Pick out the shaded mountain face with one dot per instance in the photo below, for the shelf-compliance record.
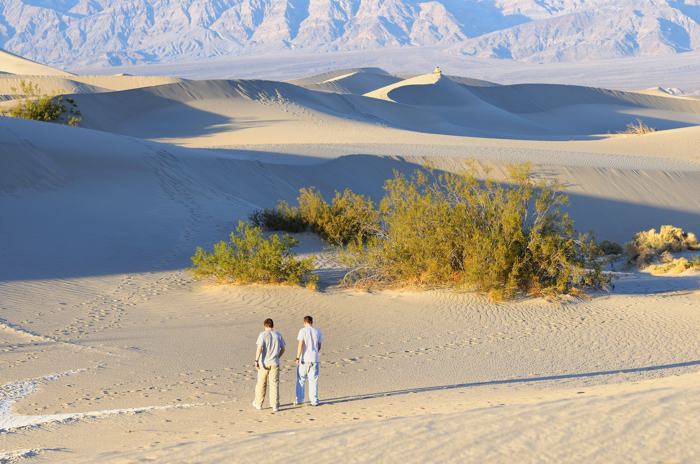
(116, 32)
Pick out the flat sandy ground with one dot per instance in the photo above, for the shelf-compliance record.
(111, 352)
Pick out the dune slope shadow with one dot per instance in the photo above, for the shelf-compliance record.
(169, 111)
(444, 105)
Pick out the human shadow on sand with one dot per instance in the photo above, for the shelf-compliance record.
(548, 378)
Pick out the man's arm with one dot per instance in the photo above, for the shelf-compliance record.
(300, 348)
(258, 352)
(319, 347)
(282, 351)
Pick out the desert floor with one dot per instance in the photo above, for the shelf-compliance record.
(110, 351)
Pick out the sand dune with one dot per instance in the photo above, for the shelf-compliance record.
(13, 64)
(470, 81)
(10, 85)
(234, 113)
(98, 224)
(534, 98)
(126, 82)
(352, 81)
(80, 84)
(670, 92)
(551, 420)
(430, 80)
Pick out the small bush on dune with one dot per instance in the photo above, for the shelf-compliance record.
(638, 128)
(42, 107)
(649, 246)
(282, 218)
(348, 217)
(249, 257)
(608, 248)
(452, 230)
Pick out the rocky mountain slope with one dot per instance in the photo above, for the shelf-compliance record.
(118, 32)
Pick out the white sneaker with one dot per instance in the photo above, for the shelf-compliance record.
(275, 409)
(259, 408)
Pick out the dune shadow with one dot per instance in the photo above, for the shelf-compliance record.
(548, 378)
(586, 123)
(541, 112)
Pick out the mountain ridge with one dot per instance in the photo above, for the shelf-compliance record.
(127, 32)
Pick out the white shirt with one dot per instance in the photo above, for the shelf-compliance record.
(312, 338)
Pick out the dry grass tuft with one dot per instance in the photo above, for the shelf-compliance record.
(638, 127)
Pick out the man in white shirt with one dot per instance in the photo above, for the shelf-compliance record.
(310, 340)
(270, 347)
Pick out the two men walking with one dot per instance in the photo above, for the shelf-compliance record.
(271, 347)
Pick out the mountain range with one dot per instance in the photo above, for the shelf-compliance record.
(71, 33)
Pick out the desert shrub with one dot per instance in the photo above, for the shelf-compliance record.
(313, 209)
(249, 257)
(349, 216)
(674, 266)
(282, 218)
(42, 107)
(452, 230)
(608, 248)
(649, 246)
(638, 127)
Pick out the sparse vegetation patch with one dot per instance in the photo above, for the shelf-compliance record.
(348, 217)
(451, 230)
(608, 248)
(638, 127)
(249, 257)
(649, 247)
(675, 265)
(430, 230)
(39, 106)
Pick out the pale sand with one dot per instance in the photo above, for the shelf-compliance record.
(353, 81)
(10, 84)
(97, 229)
(13, 64)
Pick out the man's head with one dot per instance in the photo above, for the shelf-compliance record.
(308, 320)
(268, 323)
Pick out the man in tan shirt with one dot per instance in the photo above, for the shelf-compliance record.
(270, 347)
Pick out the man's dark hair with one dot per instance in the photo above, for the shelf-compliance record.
(309, 319)
(268, 323)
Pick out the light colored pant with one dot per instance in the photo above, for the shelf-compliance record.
(307, 371)
(271, 375)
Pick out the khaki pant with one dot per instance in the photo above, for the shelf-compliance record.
(267, 374)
